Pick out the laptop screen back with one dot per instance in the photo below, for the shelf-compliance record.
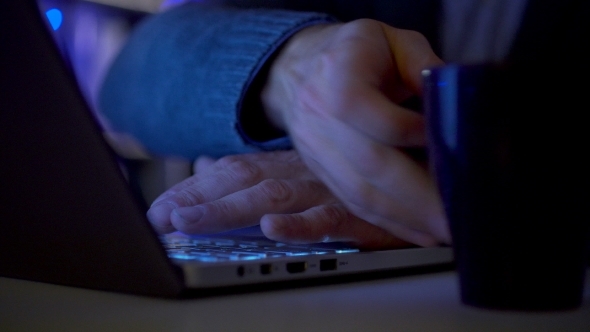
(68, 215)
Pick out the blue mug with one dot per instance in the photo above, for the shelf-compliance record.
(503, 166)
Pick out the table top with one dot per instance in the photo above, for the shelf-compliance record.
(424, 302)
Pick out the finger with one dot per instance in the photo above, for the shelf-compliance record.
(392, 173)
(226, 176)
(379, 184)
(196, 190)
(381, 119)
(281, 163)
(354, 97)
(412, 54)
(402, 231)
(230, 174)
(328, 223)
(199, 166)
(202, 167)
(277, 158)
(363, 200)
(367, 94)
(186, 183)
(369, 111)
(160, 218)
(246, 207)
(202, 163)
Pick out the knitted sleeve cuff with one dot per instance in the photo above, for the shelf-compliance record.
(180, 82)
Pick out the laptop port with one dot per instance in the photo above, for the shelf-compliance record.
(296, 267)
(328, 264)
(265, 269)
(241, 271)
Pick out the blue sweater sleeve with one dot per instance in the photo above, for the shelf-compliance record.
(179, 83)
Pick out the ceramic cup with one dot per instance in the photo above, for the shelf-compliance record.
(513, 191)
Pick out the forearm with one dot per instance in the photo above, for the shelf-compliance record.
(179, 83)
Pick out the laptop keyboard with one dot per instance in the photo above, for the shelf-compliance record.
(206, 249)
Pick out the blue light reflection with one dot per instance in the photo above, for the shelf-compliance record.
(55, 18)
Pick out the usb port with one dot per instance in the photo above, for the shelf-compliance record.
(328, 264)
(296, 267)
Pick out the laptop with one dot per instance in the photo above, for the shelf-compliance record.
(69, 216)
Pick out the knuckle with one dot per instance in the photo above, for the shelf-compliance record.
(242, 172)
(226, 161)
(361, 26)
(277, 192)
(188, 197)
(218, 210)
(335, 216)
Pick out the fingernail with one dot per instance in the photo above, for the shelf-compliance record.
(159, 212)
(189, 215)
(160, 198)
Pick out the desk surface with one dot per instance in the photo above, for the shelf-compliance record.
(427, 302)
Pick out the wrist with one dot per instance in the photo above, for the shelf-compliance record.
(290, 66)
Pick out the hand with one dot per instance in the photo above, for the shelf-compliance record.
(274, 189)
(336, 90)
